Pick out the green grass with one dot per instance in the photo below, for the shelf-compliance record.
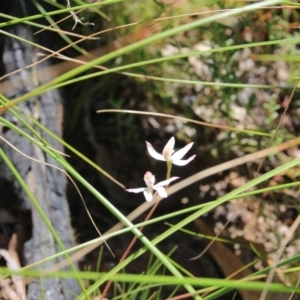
(167, 79)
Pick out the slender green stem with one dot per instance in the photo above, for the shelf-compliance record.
(169, 169)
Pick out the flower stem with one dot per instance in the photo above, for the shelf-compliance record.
(125, 254)
(169, 168)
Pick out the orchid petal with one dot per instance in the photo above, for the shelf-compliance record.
(148, 194)
(181, 153)
(169, 149)
(183, 162)
(161, 191)
(165, 182)
(153, 153)
(138, 190)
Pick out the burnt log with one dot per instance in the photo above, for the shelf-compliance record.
(48, 185)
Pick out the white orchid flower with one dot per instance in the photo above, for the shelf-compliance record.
(169, 154)
(150, 183)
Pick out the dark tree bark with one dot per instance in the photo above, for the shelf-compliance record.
(47, 184)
